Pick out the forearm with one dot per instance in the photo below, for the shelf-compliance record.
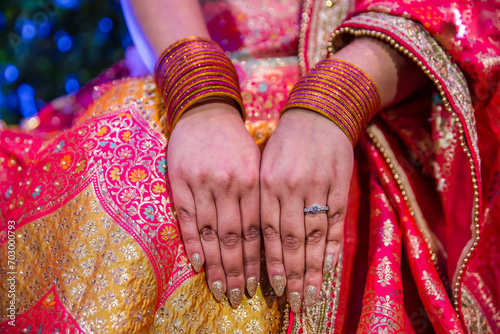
(395, 75)
(155, 24)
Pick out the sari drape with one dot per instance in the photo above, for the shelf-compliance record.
(97, 245)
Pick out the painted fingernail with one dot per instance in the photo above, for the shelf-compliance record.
(295, 301)
(279, 285)
(235, 296)
(196, 262)
(310, 297)
(252, 286)
(217, 290)
(328, 265)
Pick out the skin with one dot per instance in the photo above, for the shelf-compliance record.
(226, 195)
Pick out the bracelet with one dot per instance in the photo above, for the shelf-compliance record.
(192, 69)
(341, 92)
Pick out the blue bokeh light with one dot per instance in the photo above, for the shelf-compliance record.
(3, 21)
(11, 101)
(26, 95)
(28, 31)
(11, 73)
(63, 40)
(105, 24)
(71, 4)
(71, 83)
(43, 30)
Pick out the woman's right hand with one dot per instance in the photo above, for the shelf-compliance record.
(213, 166)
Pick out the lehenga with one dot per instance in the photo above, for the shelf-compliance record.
(88, 230)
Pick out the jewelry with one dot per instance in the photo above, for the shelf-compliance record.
(339, 91)
(316, 208)
(192, 69)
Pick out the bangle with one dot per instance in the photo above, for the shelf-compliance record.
(192, 69)
(341, 92)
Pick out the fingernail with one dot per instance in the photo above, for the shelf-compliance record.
(235, 297)
(295, 301)
(328, 266)
(217, 290)
(252, 286)
(310, 297)
(279, 285)
(196, 262)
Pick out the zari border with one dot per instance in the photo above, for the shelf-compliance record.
(413, 41)
(474, 316)
(319, 19)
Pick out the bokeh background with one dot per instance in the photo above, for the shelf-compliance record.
(49, 48)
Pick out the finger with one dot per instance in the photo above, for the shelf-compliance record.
(270, 227)
(186, 213)
(293, 240)
(207, 228)
(229, 232)
(337, 202)
(315, 231)
(249, 206)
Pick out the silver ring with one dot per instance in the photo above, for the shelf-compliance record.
(316, 208)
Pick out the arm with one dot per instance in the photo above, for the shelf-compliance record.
(309, 160)
(213, 162)
(155, 24)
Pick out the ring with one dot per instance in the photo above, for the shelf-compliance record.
(316, 208)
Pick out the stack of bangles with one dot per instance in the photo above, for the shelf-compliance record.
(195, 68)
(340, 91)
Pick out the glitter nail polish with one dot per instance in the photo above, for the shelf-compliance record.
(235, 296)
(252, 286)
(279, 285)
(217, 290)
(328, 264)
(196, 262)
(294, 300)
(310, 297)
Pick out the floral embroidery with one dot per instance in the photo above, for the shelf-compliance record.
(80, 166)
(384, 272)
(65, 161)
(161, 166)
(158, 188)
(137, 174)
(388, 233)
(59, 146)
(414, 245)
(430, 286)
(114, 174)
(36, 192)
(46, 167)
(149, 212)
(168, 233)
(125, 136)
(102, 131)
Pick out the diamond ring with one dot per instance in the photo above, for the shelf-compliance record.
(316, 208)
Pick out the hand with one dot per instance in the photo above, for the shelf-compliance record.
(213, 166)
(307, 161)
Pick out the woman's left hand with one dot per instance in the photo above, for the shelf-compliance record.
(307, 161)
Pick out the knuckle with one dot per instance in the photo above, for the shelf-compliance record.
(252, 233)
(313, 268)
(274, 262)
(212, 266)
(291, 243)
(251, 261)
(268, 180)
(250, 179)
(224, 180)
(208, 233)
(270, 233)
(293, 182)
(332, 244)
(233, 273)
(294, 275)
(230, 239)
(184, 215)
(315, 237)
(336, 217)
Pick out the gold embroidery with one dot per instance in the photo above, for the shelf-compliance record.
(388, 233)
(385, 273)
(430, 286)
(474, 318)
(381, 313)
(191, 307)
(103, 278)
(414, 245)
